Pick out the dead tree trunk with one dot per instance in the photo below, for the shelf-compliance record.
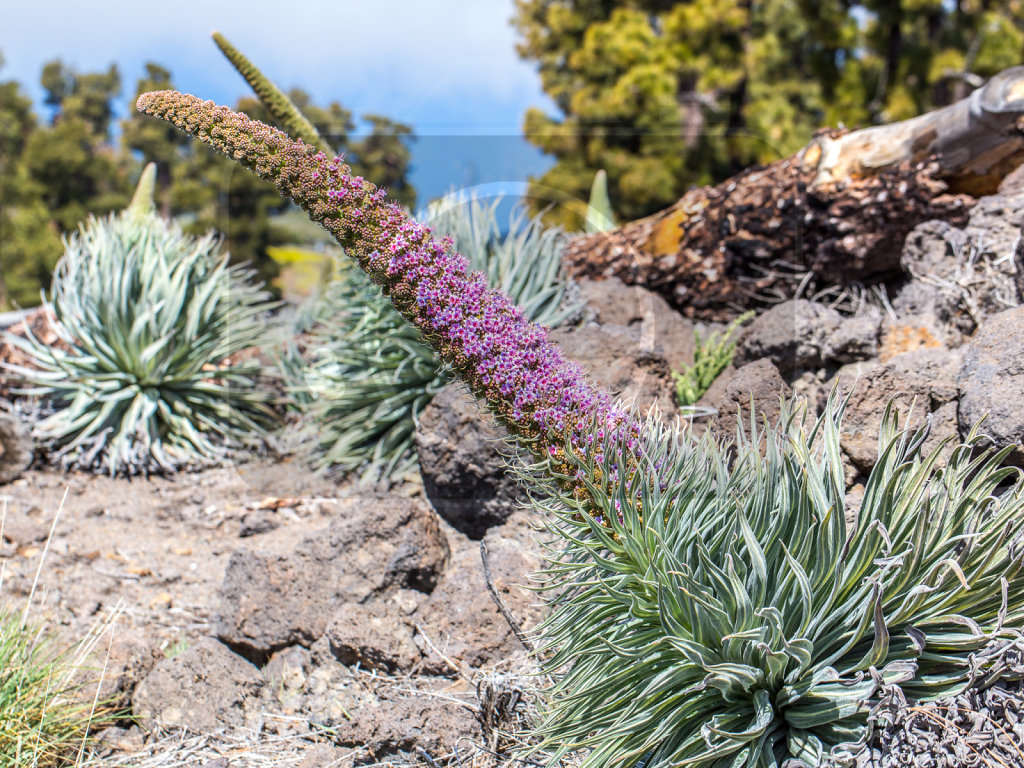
(837, 212)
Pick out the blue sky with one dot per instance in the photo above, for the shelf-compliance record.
(448, 67)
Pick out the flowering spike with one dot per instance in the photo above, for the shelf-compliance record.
(284, 111)
(506, 360)
(142, 201)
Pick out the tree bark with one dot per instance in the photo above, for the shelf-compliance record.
(837, 212)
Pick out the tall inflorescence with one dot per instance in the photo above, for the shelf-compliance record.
(506, 360)
(284, 112)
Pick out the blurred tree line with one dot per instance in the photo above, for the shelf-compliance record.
(663, 95)
(54, 173)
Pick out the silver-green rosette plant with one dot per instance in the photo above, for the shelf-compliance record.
(366, 375)
(151, 322)
(361, 382)
(723, 615)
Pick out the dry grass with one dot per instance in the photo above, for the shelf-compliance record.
(47, 713)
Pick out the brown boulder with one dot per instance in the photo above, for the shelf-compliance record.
(624, 361)
(991, 381)
(734, 391)
(612, 302)
(373, 636)
(924, 379)
(463, 472)
(460, 618)
(205, 688)
(374, 546)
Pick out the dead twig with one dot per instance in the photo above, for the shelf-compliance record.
(516, 629)
(455, 667)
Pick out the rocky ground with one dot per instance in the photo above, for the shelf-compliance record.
(266, 616)
(353, 626)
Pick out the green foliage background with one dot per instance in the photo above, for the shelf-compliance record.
(55, 172)
(665, 95)
(660, 95)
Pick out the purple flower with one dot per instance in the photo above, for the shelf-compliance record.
(506, 360)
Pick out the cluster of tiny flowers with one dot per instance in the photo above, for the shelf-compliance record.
(506, 360)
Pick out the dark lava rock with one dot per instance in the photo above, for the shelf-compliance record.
(995, 225)
(623, 361)
(759, 384)
(463, 471)
(256, 522)
(205, 688)
(991, 381)
(932, 248)
(398, 729)
(460, 618)
(372, 636)
(855, 338)
(130, 659)
(793, 334)
(612, 302)
(924, 379)
(376, 545)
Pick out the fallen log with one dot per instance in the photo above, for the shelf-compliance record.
(835, 213)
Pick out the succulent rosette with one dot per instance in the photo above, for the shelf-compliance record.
(149, 375)
(724, 615)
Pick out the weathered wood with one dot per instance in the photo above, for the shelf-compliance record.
(837, 212)
(974, 141)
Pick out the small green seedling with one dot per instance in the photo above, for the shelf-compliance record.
(710, 358)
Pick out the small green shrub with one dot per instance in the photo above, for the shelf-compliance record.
(149, 321)
(370, 376)
(723, 616)
(176, 648)
(366, 381)
(710, 358)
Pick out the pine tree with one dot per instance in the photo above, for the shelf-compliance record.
(157, 143)
(83, 96)
(72, 160)
(54, 175)
(664, 95)
(29, 243)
